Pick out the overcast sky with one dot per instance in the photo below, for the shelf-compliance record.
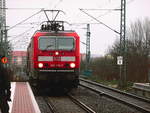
(101, 37)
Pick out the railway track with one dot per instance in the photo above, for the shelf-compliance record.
(67, 104)
(133, 101)
(82, 105)
(50, 106)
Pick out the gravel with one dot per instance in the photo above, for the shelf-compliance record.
(101, 104)
(64, 105)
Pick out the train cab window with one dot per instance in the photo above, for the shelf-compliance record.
(46, 43)
(65, 43)
(56, 43)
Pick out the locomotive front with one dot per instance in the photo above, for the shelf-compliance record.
(56, 58)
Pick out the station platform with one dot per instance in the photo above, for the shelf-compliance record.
(23, 100)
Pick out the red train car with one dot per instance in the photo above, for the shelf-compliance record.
(53, 57)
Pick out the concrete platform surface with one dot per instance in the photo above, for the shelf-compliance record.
(23, 100)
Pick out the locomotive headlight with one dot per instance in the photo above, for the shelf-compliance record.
(40, 65)
(72, 65)
(56, 53)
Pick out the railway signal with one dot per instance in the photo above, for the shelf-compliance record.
(4, 60)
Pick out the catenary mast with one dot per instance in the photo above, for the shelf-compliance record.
(3, 31)
(123, 45)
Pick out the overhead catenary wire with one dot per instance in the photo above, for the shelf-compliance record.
(109, 10)
(20, 41)
(22, 45)
(41, 9)
(117, 9)
(21, 8)
(31, 23)
(57, 3)
(83, 43)
(20, 35)
(100, 21)
(13, 38)
(24, 33)
(26, 19)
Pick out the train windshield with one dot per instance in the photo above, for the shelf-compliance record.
(56, 43)
(47, 43)
(65, 43)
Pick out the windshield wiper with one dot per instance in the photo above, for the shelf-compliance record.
(48, 46)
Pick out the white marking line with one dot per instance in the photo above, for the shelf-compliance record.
(13, 86)
(36, 107)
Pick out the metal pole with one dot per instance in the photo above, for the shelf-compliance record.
(148, 56)
(123, 50)
(1, 38)
(88, 47)
(4, 27)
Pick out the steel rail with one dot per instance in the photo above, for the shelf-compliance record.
(50, 105)
(82, 105)
(140, 108)
(116, 90)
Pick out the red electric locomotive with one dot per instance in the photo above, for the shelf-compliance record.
(53, 56)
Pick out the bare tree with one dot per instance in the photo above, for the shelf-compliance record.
(138, 50)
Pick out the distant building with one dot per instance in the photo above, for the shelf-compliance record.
(19, 57)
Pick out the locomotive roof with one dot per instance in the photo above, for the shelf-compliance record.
(65, 31)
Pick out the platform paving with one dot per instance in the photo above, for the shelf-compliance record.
(24, 101)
